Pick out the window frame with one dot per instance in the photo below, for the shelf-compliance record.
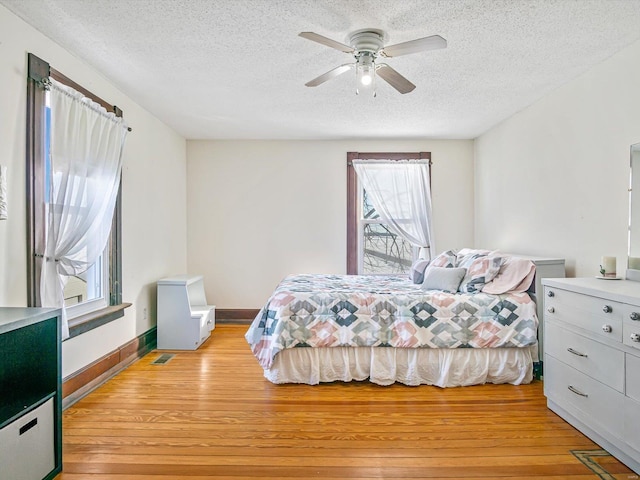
(353, 196)
(38, 74)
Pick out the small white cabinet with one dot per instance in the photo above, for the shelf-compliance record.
(184, 318)
(30, 393)
(592, 360)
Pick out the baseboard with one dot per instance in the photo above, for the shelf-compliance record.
(223, 315)
(80, 383)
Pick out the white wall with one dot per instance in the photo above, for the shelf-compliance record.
(154, 192)
(259, 210)
(553, 179)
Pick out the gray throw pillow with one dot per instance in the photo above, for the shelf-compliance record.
(441, 278)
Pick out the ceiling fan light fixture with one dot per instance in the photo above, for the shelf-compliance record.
(366, 73)
(366, 77)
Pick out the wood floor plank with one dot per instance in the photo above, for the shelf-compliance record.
(258, 471)
(366, 452)
(98, 476)
(210, 414)
(327, 443)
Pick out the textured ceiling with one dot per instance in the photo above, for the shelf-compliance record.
(234, 69)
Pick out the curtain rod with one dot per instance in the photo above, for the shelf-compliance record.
(390, 160)
(60, 77)
(39, 71)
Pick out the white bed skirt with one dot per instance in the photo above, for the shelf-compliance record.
(411, 366)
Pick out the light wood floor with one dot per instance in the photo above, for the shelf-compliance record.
(210, 414)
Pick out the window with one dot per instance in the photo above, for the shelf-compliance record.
(379, 249)
(93, 297)
(372, 248)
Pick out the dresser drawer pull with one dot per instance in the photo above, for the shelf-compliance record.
(634, 316)
(551, 309)
(607, 328)
(577, 392)
(607, 309)
(571, 350)
(550, 293)
(635, 337)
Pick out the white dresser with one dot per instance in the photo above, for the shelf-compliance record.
(592, 360)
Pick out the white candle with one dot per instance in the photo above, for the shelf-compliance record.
(609, 265)
(634, 263)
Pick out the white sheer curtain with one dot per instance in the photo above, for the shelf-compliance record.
(86, 161)
(401, 194)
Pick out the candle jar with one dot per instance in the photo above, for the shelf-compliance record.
(609, 266)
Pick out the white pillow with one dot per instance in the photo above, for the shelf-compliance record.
(515, 275)
(444, 279)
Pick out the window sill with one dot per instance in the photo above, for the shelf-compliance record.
(89, 321)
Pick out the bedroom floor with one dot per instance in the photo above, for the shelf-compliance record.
(210, 414)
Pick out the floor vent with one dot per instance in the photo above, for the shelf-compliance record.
(596, 461)
(162, 359)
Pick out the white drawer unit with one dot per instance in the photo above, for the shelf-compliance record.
(632, 409)
(632, 424)
(27, 445)
(596, 315)
(592, 360)
(633, 377)
(600, 361)
(631, 327)
(585, 398)
(631, 335)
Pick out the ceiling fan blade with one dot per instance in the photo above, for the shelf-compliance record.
(329, 75)
(433, 42)
(326, 41)
(394, 79)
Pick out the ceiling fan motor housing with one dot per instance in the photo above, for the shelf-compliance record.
(367, 40)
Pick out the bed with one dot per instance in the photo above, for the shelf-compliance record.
(324, 328)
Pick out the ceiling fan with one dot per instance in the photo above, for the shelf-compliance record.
(366, 46)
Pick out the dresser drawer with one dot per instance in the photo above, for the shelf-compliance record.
(632, 424)
(588, 400)
(595, 359)
(632, 381)
(596, 315)
(631, 313)
(631, 334)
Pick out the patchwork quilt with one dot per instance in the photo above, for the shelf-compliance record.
(312, 310)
